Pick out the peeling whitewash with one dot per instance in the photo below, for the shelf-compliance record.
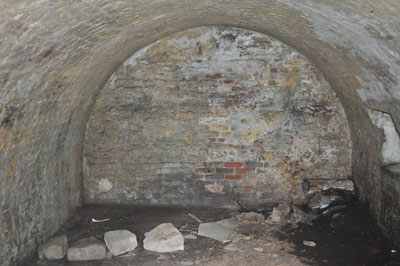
(390, 153)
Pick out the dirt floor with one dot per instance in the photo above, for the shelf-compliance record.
(349, 237)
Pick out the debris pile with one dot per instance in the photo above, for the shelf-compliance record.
(324, 199)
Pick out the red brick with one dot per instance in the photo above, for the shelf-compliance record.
(233, 164)
(215, 76)
(233, 177)
(225, 170)
(221, 140)
(228, 81)
(242, 171)
(212, 139)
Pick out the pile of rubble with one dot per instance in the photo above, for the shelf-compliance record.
(163, 238)
(323, 200)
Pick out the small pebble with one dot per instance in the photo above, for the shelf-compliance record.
(309, 243)
(236, 239)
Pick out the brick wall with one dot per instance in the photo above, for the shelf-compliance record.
(213, 115)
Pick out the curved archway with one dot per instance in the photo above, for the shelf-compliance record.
(57, 56)
(210, 116)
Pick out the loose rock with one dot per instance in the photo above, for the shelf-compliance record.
(333, 209)
(187, 263)
(302, 217)
(164, 238)
(320, 201)
(54, 249)
(336, 215)
(86, 249)
(309, 243)
(280, 213)
(223, 230)
(250, 216)
(120, 241)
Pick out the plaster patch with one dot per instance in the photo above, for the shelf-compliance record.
(104, 185)
(390, 153)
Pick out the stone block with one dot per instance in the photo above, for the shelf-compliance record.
(86, 249)
(54, 249)
(120, 241)
(164, 238)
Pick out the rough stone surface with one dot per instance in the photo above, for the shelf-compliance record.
(280, 213)
(53, 64)
(86, 249)
(394, 168)
(250, 217)
(164, 238)
(120, 241)
(390, 153)
(323, 185)
(389, 218)
(299, 216)
(223, 230)
(214, 106)
(54, 249)
(232, 247)
(190, 236)
(321, 201)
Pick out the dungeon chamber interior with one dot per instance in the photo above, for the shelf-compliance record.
(220, 104)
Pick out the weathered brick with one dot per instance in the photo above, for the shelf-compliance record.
(242, 171)
(236, 88)
(38, 53)
(205, 171)
(182, 134)
(225, 170)
(233, 164)
(213, 76)
(233, 176)
(247, 189)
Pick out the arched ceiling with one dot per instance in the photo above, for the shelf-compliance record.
(56, 55)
